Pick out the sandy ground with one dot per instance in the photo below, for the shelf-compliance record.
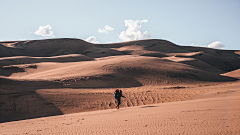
(65, 86)
(217, 113)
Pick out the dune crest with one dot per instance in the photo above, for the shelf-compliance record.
(62, 76)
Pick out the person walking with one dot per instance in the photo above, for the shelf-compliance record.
(118, 94)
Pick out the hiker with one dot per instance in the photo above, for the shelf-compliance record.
(118, 94)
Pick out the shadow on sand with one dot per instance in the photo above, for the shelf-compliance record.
(19, 101)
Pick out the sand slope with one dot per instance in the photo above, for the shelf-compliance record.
(215, 115)
(235, 74)
(61, 76)
(53, 47)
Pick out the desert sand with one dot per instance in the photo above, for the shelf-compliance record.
(65, 86)
(217, 113)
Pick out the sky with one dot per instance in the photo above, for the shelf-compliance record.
(206, 23)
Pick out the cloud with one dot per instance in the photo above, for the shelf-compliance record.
(105, 29)
(44, 31)
(92, 39)
(216, 45)
(192, 44)
(144, 20)
(132, 32)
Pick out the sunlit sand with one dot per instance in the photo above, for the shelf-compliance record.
(65, 86)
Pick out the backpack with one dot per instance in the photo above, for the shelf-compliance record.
(117, 94)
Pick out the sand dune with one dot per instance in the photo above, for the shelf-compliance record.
(17, 60)
(41, 78)
(225, 60)
(53, 47)
(106, 72)
(195, 63)
(235, 74)
(215, 115)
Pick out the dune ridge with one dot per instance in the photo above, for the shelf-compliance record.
(61, 76)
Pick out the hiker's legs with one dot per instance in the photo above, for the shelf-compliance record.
(119, 102)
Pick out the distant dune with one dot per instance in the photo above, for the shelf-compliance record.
(58, 76)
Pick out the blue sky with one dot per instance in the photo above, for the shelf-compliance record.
(184, 22)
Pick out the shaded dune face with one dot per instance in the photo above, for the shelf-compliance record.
(19, 101)
(26, 67)
(53, 47)
(47, 48)
(224, 60)
(155, 71)
(18, 60)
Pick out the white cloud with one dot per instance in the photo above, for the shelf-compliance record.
(192, 44)
(44, 31)
(144, 20)
(132, 32)
(216, 45)
(92, 39)
(105, 29)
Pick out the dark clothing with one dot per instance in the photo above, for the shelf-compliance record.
(118, 101)
(118, 97)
